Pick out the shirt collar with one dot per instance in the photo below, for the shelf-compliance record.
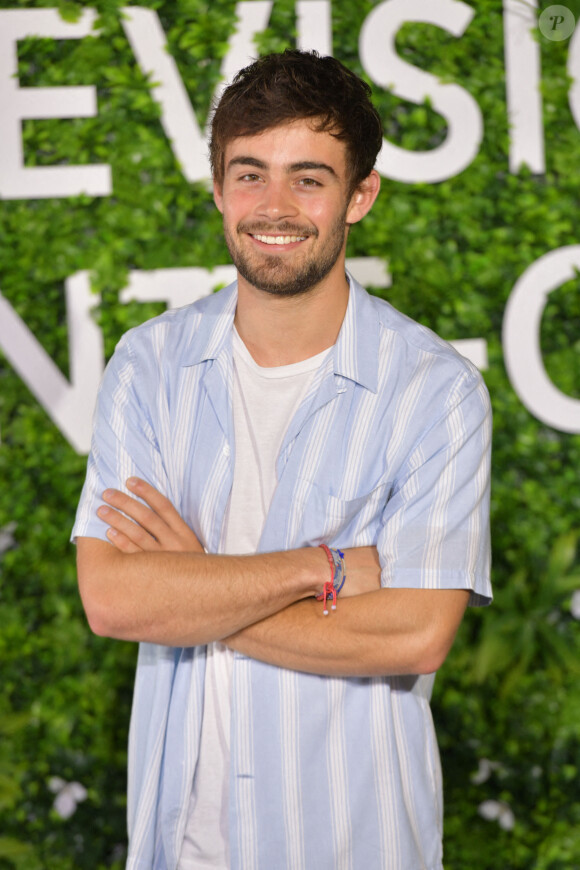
(212, 327)
(355, 351)
(357, 345)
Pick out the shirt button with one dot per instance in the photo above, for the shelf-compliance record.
(226, 450)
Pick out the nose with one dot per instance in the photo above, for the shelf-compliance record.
(277, 201)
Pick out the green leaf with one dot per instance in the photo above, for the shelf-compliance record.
(562, 555)
(11, 849)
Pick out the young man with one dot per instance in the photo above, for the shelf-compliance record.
(233, 438)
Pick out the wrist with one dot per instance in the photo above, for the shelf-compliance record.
(335, 581)
(314, 572)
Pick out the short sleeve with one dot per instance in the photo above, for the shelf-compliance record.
(435, 525)
(123, 441)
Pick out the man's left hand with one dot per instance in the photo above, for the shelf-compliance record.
(154, 526)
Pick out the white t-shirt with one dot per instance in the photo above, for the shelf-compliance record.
(264, 402)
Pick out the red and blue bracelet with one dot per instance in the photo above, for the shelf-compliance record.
(333, 586)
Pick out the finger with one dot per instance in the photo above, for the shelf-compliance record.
(134, 532)
(168, 538)
(138, 512)
(183, 536)
(157, 502)
(121, 542)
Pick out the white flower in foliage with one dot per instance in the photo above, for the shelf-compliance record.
(7, 537)
(498, 811)
(484, 771)
(68, 795)
(575, 605)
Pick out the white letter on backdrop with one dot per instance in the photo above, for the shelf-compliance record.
(574, 73)
(70, 405)
(177, 287)
(253, 17)
(523, 71)
(174, 286)
(149, 45)
(521, 339)
(147, 39)
(314, 26)
(380, 60)
(18, 104)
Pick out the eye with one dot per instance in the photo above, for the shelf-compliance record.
(250, 176)
(309, 182)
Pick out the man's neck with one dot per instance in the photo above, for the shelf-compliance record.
(281, 330)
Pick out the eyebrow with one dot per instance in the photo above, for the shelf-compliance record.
(301, 166)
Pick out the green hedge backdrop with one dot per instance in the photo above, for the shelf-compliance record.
(506, 704)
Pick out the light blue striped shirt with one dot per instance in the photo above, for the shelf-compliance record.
(390, 447)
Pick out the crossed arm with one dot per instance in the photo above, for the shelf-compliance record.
(155, 583)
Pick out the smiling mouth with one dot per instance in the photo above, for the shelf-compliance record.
(278, 240)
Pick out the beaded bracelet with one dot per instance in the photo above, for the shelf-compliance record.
(337, 577)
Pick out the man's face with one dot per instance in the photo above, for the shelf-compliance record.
(285, 207)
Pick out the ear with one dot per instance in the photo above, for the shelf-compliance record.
(363, 198)
(218, 195)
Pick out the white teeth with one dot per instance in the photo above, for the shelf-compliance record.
(279, 240)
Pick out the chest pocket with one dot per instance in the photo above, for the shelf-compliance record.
(322, 517)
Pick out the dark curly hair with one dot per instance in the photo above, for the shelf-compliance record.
(280, 88)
